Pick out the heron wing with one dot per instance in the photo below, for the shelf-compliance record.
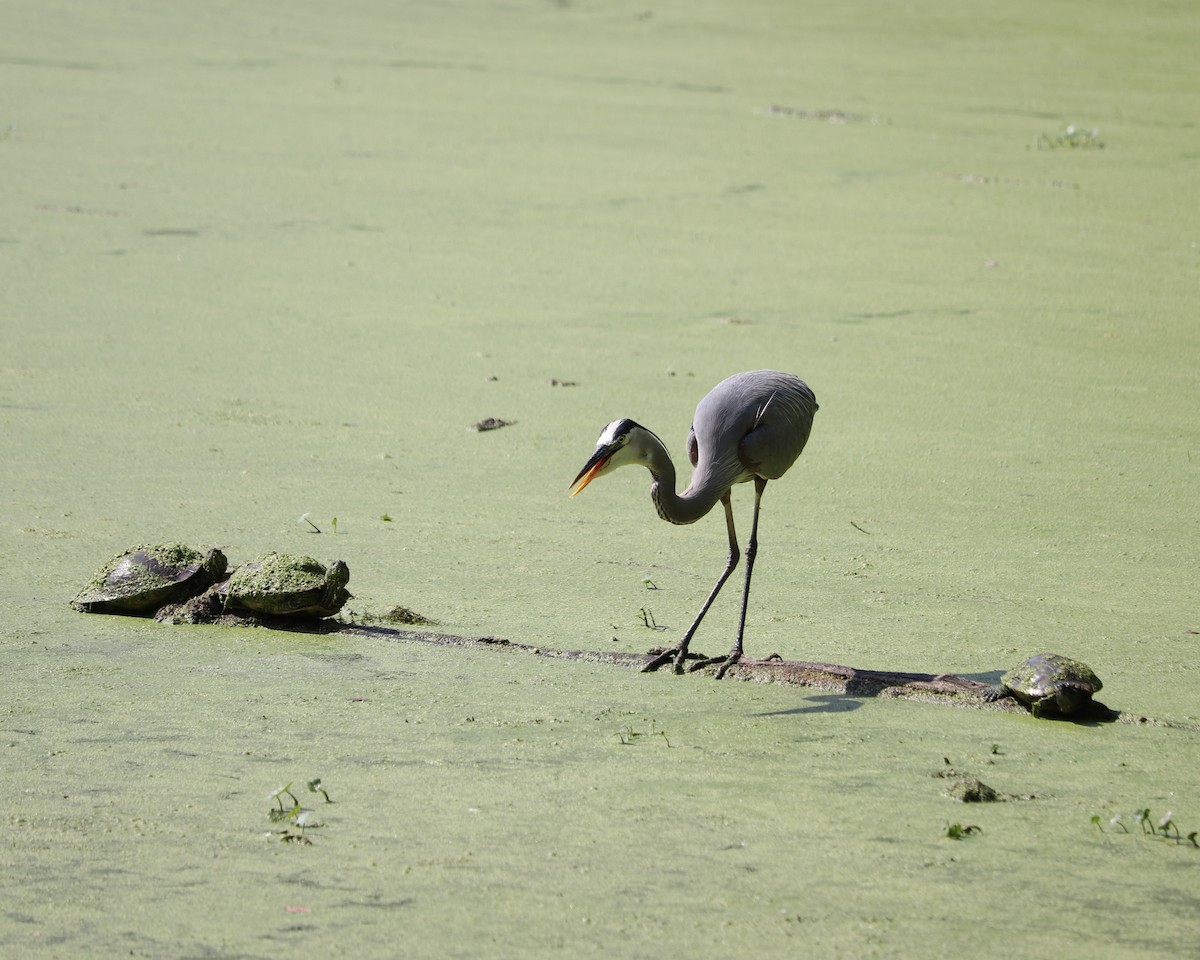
(751, 424)
(781, 427)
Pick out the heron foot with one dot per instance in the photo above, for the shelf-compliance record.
(725, 660)
(676, 654)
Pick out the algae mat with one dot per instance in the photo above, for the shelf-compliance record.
(263, 262)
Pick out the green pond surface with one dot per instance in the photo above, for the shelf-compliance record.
(265, 260)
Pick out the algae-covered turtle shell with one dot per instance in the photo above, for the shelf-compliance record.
(285, 584)
(1051, 684)
(145, 577)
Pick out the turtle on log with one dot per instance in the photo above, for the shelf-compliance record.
(144, 578)
(281, 584)
(1050, 684)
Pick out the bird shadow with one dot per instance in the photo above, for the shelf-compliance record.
(820, 703)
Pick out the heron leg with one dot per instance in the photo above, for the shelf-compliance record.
(735, 654)
(679, 652)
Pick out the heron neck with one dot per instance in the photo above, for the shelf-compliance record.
(687, 507)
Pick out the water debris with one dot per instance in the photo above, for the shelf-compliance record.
(986, 179)
(1070, 137)
(402, 614)
(824, 116)
(971, 790)
(490, 423)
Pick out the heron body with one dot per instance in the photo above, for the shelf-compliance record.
(751, 426)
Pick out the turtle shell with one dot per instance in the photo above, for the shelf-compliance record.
(1051, 684)
(283, 584)
(145, 577)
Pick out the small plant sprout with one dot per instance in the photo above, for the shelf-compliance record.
(333, 524)
(1096, 821)
(627, 735)
(315, 786)
(647, 616)
(304, 519)
(385, 517)
(1143, 817)
(280, 792)
(281, 812)
(648, 583)
(1166, 824)
(956, 831)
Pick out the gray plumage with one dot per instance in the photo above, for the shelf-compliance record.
(751, 426)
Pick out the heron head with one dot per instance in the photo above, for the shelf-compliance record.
(620, 445)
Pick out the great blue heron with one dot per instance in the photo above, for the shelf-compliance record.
(751, 426)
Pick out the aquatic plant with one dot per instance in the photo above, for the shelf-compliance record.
(295, 815)
(1164, 829)
(314, 786)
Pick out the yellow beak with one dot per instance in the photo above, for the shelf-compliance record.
(590, 471)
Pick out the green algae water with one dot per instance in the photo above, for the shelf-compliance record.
(264, 262)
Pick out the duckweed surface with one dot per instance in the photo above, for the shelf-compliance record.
(261, 263)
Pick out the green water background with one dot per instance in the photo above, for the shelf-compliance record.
(266, 260)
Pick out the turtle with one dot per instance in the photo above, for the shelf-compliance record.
(1050, 684)
(144, 578)
(282, 584)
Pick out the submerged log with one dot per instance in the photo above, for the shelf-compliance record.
(942, 688)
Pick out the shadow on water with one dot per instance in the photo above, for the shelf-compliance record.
(821, 703)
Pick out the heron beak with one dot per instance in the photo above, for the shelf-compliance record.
(590, 470)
